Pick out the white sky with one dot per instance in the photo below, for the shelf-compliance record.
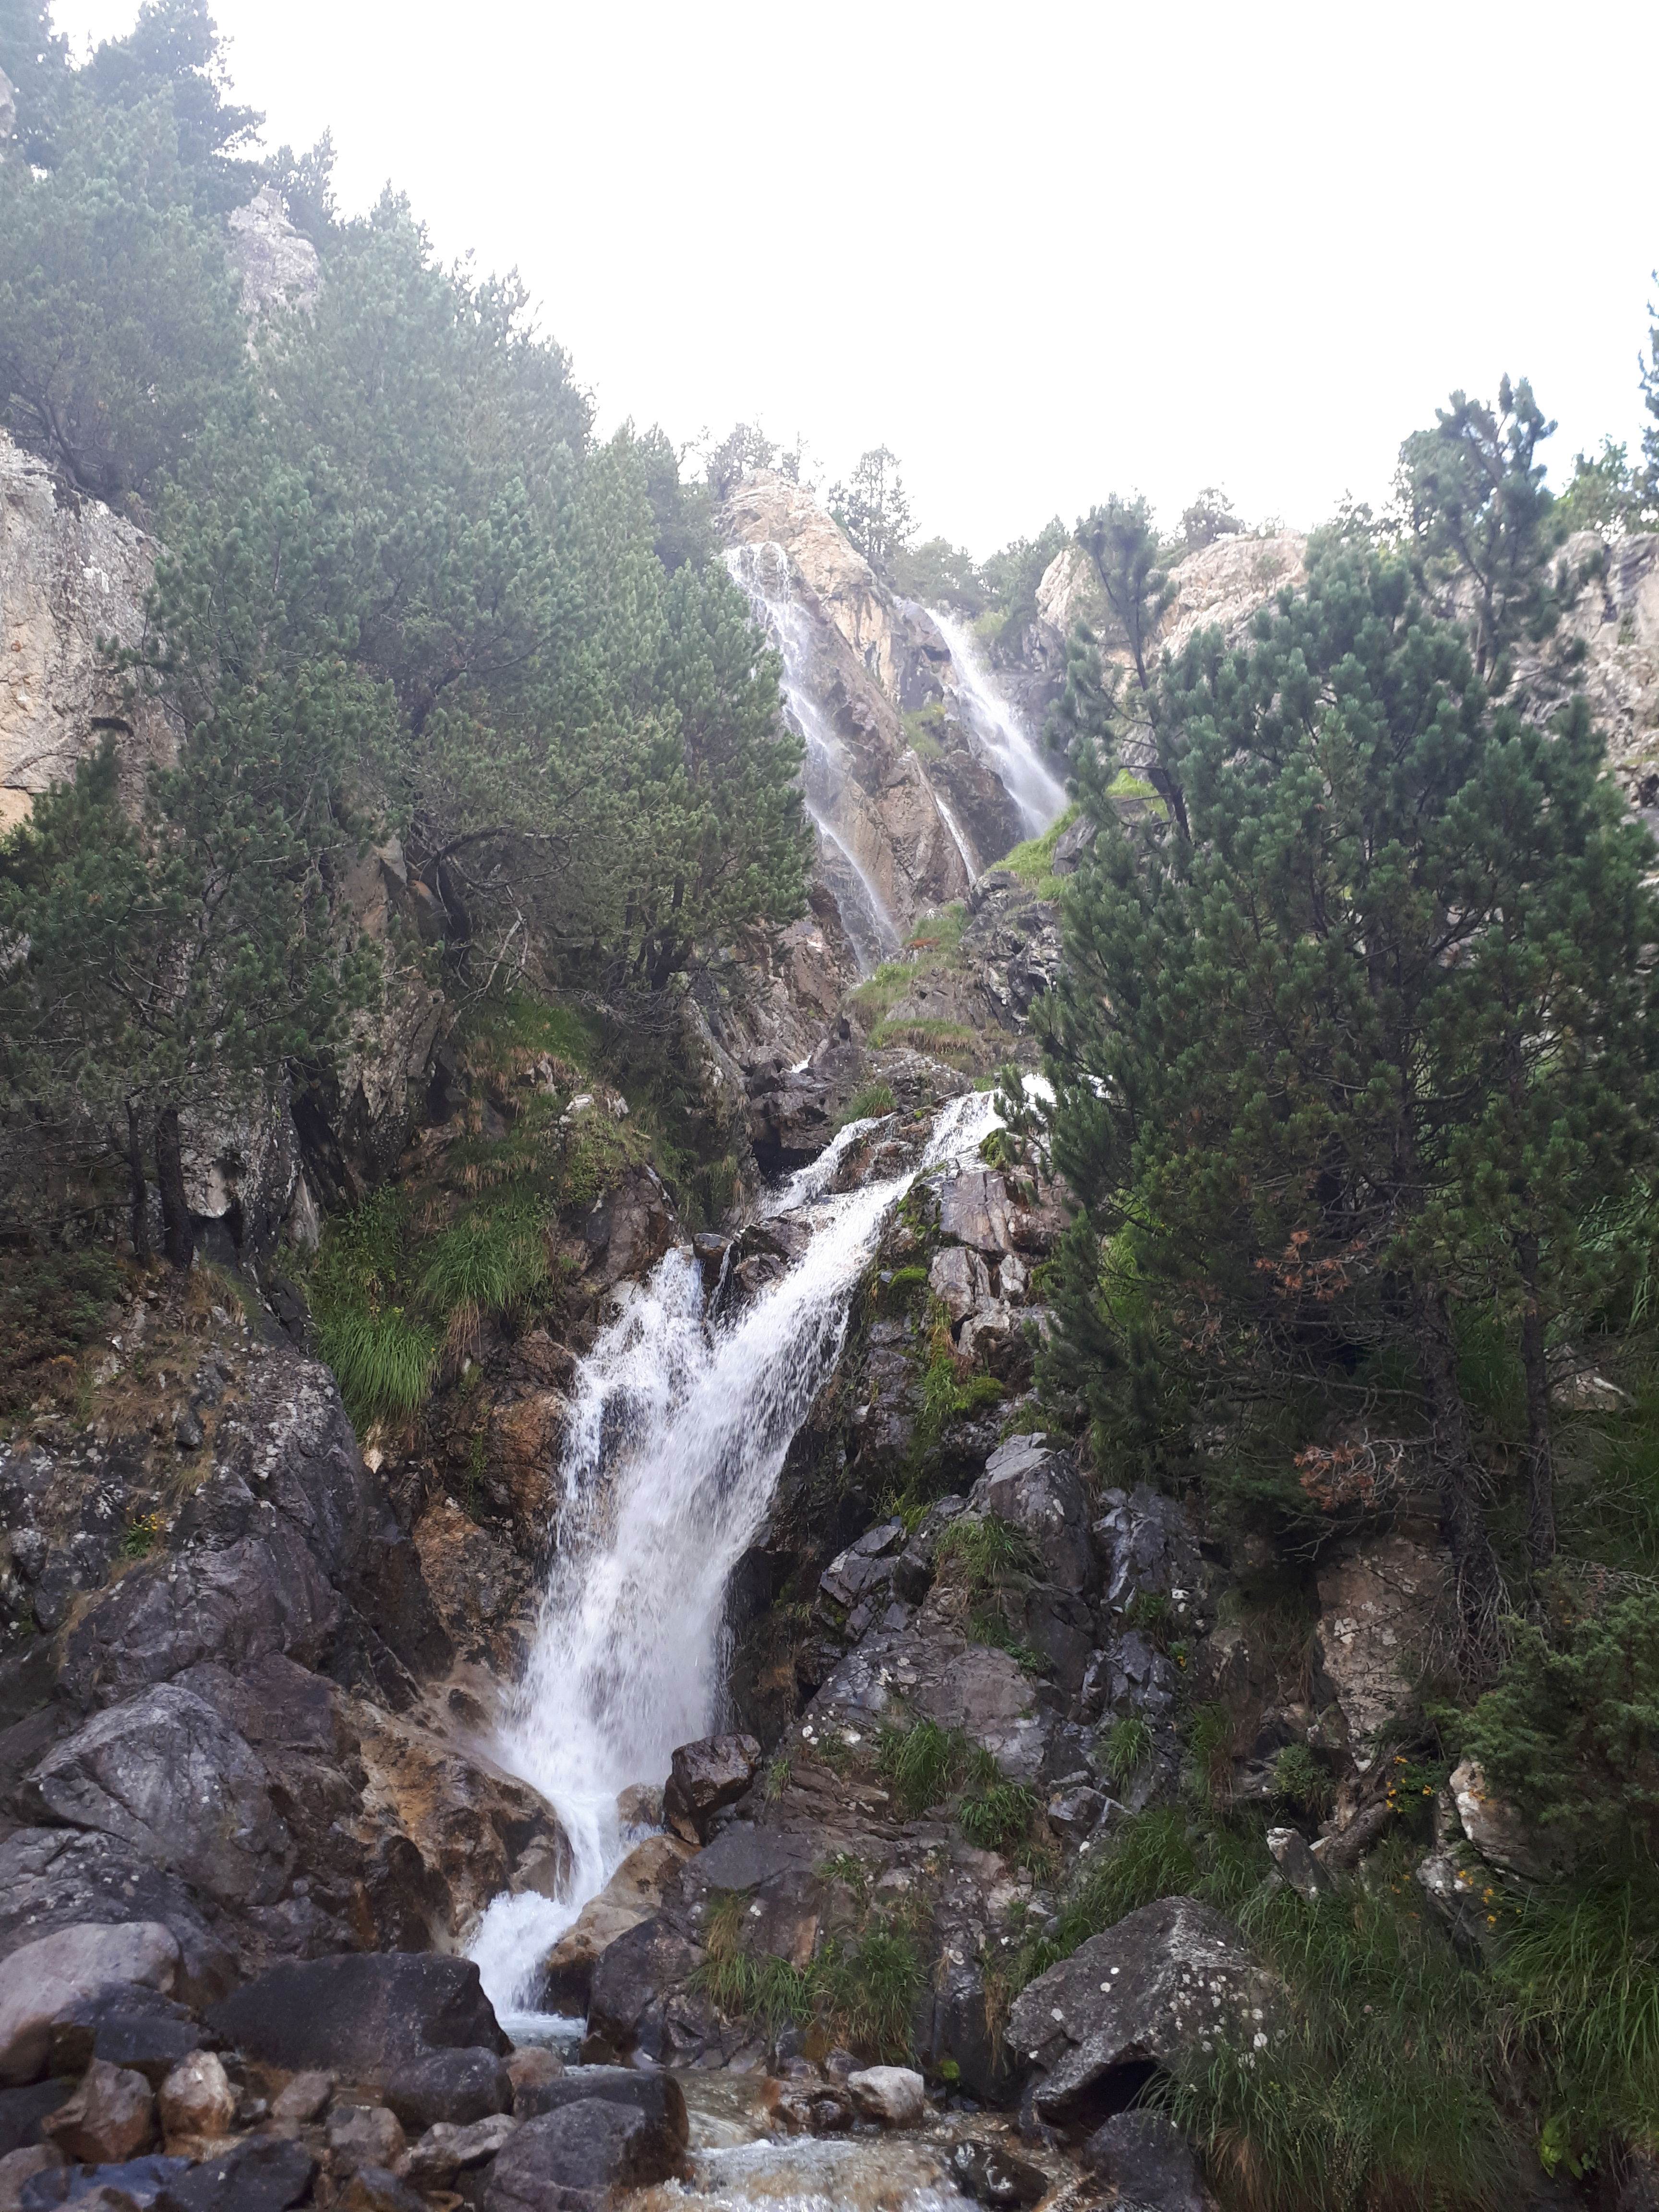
(1042, 252)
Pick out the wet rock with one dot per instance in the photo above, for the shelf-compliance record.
(1036, 1490)
(627, 1230)
(706, 1776)
(45, 1978)
(196, 2101)
(991, 2175)
(1148, 2161)
(303, 2098)
(1378, 1605)
(112, 2116)
(1168, 1979)
(657, 2096)
(363, 2135)
(115, 2188)
(263, 2173)
(373, 2189)
(529, 2066)
(167, 1775)
(575, 2159)
(632, 1894)
(22, 2110)
(1294, 1857)
(973, 1210)
(362, 2014)
(892, 2094)
(639, 1970)
(445, 2151)
(457, 2087)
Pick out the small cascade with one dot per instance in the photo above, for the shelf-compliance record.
(762, 571)
(679, 1430)
(1015, 760)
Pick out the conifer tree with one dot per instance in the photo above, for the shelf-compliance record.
(1316, 1083)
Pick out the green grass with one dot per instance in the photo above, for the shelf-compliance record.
(986, 1548)
(922, 1764)
(487, 1262)
(1127, 1747)
(383, 1362)
(997, 1816)
(862, 1989)
(51, 1304)
(922, 730)
(873, 1103)
(1033, 862)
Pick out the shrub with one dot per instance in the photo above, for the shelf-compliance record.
(1301, 1783)
(51, 1304)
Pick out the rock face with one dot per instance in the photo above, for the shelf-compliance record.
(1170, 1978)
(71, 573)
(1379, 1605)
(279, 266)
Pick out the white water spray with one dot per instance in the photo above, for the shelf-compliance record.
(1015, 761)
(678, 1434)
(762, 571)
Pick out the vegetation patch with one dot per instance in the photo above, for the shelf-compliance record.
(51, 1305)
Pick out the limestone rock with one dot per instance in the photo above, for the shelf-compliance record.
(1293, 1856)
(1379, 1604)
(457, 2087)
(706, 1776)
(1169, 1979)
(361, 2014)
(112, 2116)
(197, 2101)
(44, 1978)
(632, 1894)
(895, 2095)
(1498, 1832)
(992, 2175)
(959, 1279)
(279, 266)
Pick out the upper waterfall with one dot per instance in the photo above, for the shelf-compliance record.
(1017, 763)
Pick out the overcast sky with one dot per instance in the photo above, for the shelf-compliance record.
(1041, 252)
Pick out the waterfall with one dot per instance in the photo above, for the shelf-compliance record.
(1015, 761)
(678, 1429)
(762, 571)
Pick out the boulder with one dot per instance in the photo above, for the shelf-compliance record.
(127, 2025)
(632, 1894)
(578, 2158)
(112, 2116)
(21, 2166)
(22, 2110)
(990, 2175)
(529, 2066)
(960, 1280)
(1500, 1833)
(56, 1878)
(196, 2101)
(457, 2087)
(1036, 1490)
(364, 2134)
(45, 1978)
(119, 2187)
(705, 1776)
(445, 2151)
(362, 2014)
(263, 2173)
(165, 1773)
(373, 2189)
(302, 2099)
(657, 2096)
(636, 1971)
(972, 1210)
(1170, 1979)
(1148, 2161)
(892, 2094)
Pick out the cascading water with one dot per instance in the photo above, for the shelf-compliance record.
(762, 571)
(1017, 764)
(679, 1430)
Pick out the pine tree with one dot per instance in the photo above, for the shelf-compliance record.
(1314, 1085)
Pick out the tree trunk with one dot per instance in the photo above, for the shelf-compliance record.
(178, 1239)
(139, 1188)
(1540, 1457)
(1479, 1584)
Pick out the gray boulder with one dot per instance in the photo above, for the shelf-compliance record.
(577, 2157)
(167, 1775)
(1169, 1979)
(57, 1878)
(1147, 1548)
(1148, 2161)
(707, 1776)
(361, 2015)
(457, 2087)
(632, 1975)
(263, 2173)
(989, 2173)
(48, 1978)
(1037, 1490)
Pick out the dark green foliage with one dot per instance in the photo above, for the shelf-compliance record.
(51, 1304)
(1570, 1733)
(1301, 1783)
(1210, 516)
(871, 508)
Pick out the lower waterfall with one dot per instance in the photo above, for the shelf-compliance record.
(680, 1428)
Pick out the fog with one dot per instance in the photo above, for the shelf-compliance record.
(1040, 252)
